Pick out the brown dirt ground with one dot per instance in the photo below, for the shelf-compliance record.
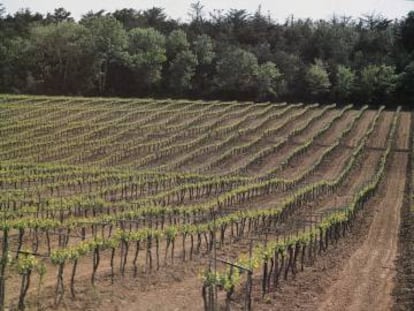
(358, 274)
(366, 281)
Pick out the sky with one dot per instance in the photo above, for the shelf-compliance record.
(278, 9)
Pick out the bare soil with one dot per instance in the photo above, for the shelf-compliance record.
(366, 281)
(359, 273)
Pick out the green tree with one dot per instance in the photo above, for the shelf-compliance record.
(117, 65)
(268, 80)
(146, 55)
(182, 62)
(16, 66)
(345, 82)
(407, 32)
(182, 70)
(21, 23)
(332, 41)
(406, 84)
(196, 14)
(58, 16)
(176, 42)
(375, 40)
(317, 79)
(377, 83)
(63, 54)
(292, 68)
(129, 18)
(236, 71)
(155, 17)
(109, 41)
(203, 47)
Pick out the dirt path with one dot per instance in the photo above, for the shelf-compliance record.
(380, 137)
(366, 281)
(403, 138)
(338, 126)
(361, 127)
(185, 297)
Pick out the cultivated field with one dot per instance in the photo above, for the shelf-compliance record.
(125, 204)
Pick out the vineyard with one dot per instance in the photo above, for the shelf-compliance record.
(144, 204)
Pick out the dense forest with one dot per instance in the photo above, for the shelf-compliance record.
(218, 55)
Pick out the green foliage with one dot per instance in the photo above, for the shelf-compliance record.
(262, 253)
(203, 47)
(407, 32)
(317, 79)
(291, 66)
(182, 70)
(63, 53)
(155, 17)
(108, 35)
(177, 42)
(59, 15)
(146, 54)
(109, 40)
(196, 12)
(16, 64)
(406, 83)
(345, 82)
(377, 82)
(129, 18)
(227, 280)
(236, 70)
(109, 60)
(332, 40)
(268, 80)
(26, 263)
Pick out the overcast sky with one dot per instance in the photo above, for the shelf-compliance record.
(279, 9)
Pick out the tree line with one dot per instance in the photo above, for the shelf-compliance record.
(225, 55)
